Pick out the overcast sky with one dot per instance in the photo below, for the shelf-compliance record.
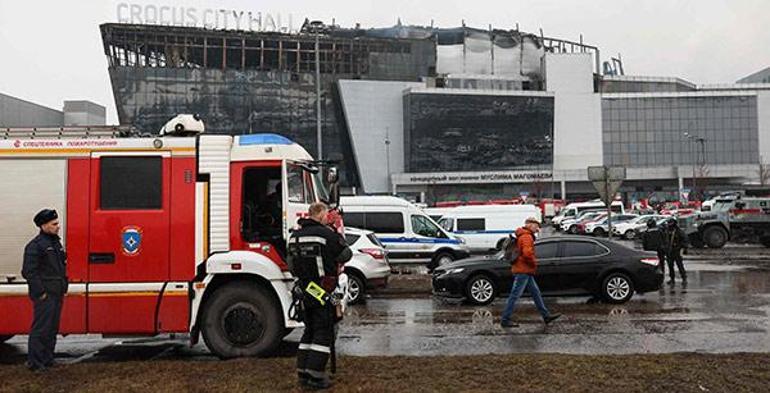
(52, 50)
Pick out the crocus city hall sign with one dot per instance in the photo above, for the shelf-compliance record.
(208, 18)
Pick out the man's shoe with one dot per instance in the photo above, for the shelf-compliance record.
(303, 377)
(671, 282)
(551, 318)
(508, 324)
(319, 383)
(36, 369)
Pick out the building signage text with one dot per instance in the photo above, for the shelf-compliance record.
(455, 178)
(208, 18)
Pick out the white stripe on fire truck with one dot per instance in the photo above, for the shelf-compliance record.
(107, 290)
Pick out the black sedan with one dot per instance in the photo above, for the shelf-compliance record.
(567, 266)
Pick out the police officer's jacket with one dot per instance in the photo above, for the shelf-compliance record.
(675, 239)
(653, 239)
(45, 266)
(315, 251)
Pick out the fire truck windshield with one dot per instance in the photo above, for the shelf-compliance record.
(320, 187)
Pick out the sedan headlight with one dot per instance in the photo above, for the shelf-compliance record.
(455, 271)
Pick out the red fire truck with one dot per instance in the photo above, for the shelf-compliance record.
(170, 234)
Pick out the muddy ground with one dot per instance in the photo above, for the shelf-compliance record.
(519, 373)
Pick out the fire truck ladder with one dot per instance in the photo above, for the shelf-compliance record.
(85, 132)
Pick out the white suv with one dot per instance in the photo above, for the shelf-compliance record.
(369, 267)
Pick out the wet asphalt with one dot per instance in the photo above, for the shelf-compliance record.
(724, 308)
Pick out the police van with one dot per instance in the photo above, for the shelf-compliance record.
(409, 235)
(485, 227)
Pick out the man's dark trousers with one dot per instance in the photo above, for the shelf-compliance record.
(662, 261)
(42, 336)
(315, 344)
(676, 256)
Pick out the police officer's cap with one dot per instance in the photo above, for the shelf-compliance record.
(45, 216)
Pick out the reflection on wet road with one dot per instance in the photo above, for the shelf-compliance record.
(723, 309)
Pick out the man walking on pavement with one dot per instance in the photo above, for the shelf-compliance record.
(45, 269)
(674, 241)
(524, 269)
(316, 255)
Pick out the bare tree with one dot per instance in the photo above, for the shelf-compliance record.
(764, 172)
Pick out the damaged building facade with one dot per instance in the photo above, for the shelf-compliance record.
(443, 113)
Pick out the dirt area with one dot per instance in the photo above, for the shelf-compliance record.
(520, 373)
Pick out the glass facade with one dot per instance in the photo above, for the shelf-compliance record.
(247, 82)
(641, 131)
(471, 132)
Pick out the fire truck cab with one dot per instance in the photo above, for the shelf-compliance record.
(172, 234)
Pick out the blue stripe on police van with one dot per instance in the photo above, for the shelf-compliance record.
(484, 232)
(417, 240)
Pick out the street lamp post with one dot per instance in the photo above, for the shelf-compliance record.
(316, 26)
(387, 156)
(695, 157)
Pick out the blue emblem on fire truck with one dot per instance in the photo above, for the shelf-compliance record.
(131, 240)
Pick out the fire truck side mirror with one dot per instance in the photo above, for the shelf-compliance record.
(332, 176)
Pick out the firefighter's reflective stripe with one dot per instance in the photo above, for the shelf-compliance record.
(319, 261)
(310, 239)
(315, 347)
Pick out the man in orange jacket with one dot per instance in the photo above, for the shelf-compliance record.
(524, 269)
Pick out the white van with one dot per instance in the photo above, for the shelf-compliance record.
(572, 210)
(485, 227)
(405, 230)
(437, 212)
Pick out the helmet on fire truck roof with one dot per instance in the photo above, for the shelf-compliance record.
(183, 125)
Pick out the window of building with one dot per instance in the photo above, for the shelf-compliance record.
(131, 183)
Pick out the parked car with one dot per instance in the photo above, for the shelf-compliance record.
(573, 210)
(601, 227)
(567, 266)
(642, 229)
(485, 227)
(407, 232)
(573, 225)
(369, 268)
(628, 229)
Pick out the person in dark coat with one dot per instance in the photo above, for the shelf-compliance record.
(316, 256)
(45, 269)
(674, 241)
(652, 240)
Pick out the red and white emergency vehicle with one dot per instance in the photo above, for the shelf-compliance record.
(170, 234)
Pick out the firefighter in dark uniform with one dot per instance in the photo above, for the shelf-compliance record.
(316, 255)
(45, 269)
(652, 240)
(674, 241)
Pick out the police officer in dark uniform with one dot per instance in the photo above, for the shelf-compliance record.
(674, 241)
(45, 269)
(652, 240)
(316, 255)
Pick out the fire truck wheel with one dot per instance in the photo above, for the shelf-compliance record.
(5, 338)
(241, 320)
